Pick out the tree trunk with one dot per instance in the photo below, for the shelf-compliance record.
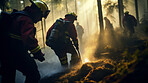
(52, 10)
(100, 17)
(66, 6)
(121, 12)
(101, 34)
(76, 6)
(2, 4)
(43, 33)
(24, 3)
(147, 4)
(18, 5)
(136, 8)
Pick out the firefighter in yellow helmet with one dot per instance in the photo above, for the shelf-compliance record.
(65, 43)
(21, 40)
(72, 16)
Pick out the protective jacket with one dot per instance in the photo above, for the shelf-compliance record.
(23, 31)
(21, 37)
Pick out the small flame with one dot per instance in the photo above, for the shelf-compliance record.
(86, 60)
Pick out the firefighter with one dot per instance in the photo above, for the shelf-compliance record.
(108, 24)
(109, 33)
(62, 48)
(129, 22)
(22, 40)
(80, 31)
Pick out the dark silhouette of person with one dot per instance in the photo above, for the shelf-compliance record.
(108, 25)
(129, 22)
(21, 40)
(80, 31)
(109, 32)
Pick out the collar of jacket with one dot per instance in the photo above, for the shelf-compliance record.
(30, 12)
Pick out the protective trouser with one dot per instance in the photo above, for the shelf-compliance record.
(62, 57)
(62, 54)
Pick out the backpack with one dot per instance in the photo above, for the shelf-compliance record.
(6, 20)
(57, 35)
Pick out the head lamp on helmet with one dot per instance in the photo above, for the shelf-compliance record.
(72, 14)
(42, 6)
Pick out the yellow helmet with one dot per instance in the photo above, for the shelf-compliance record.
(72, 14)
(42, 6)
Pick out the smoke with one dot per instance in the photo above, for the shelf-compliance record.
(142, 4)
(87, 17)
(87, 11)
(50, 66)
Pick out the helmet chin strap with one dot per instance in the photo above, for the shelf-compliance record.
(46, 14)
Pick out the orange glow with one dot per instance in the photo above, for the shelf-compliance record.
(86, 60)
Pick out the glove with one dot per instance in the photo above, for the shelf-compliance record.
(39, 55)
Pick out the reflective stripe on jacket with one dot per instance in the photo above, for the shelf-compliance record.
(23, 29)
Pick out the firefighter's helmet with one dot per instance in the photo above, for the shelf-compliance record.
(127, 12)
(42, 6)
(72, 14)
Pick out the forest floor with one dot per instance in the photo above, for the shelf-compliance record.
(125, 63)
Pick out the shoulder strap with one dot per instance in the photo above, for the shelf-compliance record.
(17, 13)
(63, 21)
(5, 14)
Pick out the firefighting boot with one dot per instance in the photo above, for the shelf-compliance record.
(75, 60)
(64, 61)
